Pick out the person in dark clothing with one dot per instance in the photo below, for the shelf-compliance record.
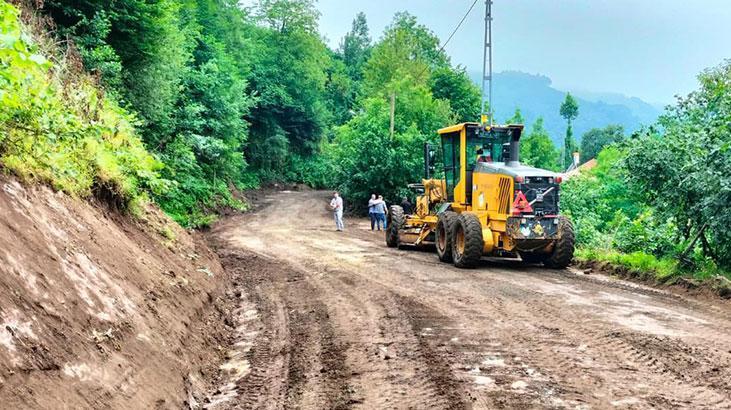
(407, 206)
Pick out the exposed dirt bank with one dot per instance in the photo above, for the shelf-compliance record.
(337, 320)
(97, 311)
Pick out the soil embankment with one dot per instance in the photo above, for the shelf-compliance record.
(98, 311)
(337, 320)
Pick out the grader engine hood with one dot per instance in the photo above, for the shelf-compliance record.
(539, 188)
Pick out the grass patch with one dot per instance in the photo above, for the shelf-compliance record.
(662, 270)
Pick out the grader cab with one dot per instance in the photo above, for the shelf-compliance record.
(486, 203)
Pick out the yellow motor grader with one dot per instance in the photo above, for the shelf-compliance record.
(486, 204)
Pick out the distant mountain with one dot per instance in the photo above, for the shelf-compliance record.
(535, 97)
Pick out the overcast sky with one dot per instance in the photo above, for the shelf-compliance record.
(652, 49)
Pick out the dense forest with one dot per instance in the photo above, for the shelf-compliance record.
(185, 102)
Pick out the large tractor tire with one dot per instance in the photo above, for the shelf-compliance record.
(395, 222)
(467, 241)
(444, 235)
(563, 249)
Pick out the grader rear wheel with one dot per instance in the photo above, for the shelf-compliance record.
(467, 242)
(395, 222)
(444, 235)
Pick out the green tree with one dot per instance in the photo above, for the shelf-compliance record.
(365, 158)
(455, 86)
(595, 139)
(682, 167)
(407, 49)
(341, 91)
(537, 149)
(356, 47)
(289, 80)
(517, 118)
(345, 73)
(409, 64)
(288, 15)
(569, 111)
(410, 50)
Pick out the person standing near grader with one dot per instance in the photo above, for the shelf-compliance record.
(381, 210)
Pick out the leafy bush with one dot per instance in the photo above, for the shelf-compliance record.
(58, 128)
(683, 167)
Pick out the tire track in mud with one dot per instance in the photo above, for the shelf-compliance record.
(389, 368)
(405, 362)
(296, 360)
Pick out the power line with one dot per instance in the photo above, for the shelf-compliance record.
(452, 35)
(458, 25)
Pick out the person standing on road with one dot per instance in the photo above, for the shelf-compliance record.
(336, 204)
(372, 210)
(381, 210)
(407, 206)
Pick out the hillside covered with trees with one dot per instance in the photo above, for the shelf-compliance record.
(185, 102)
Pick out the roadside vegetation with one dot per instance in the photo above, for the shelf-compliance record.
(185, 102)
(56, 126)
(657, 200)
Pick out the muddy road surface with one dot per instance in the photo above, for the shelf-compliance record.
(337, 320)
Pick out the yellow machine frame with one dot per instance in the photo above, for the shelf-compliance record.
(491, 201)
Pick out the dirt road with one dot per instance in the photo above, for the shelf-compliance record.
(337, 320)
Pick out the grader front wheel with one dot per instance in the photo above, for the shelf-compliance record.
(444, 235)
(563, 249)
(467, 242)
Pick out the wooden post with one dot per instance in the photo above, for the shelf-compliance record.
(393, 111)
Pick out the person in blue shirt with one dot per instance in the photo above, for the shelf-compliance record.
(381, 210)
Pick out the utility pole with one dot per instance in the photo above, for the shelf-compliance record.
(487, 67)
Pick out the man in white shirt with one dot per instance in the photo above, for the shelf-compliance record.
(336, 204)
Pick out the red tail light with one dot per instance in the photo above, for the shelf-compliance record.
(559, 179)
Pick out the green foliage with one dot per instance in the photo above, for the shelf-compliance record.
(288, 77)
(640, 263)
(356, 47)
(182, 67)
(569, 108)
(341, 90)
(408, 49)
(656, 192)
(364, 157)
(537, 148)
(569, 111)
(56, 127)
(599, 201)
(684, 168)
(455, 86)
(597, 138)
(517, 118)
